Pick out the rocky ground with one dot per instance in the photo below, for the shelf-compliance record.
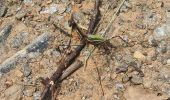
(31, 47)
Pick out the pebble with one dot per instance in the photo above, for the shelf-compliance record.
(119, 87)
(4, 33)
(53, 8)
(39, 44)
(138, 55)
(122, 69)
(162, 47)
(136, 80)
(3, 10)
(26, 70)
(18, 40)
(161, 32)
(37, 95)
(68, 8)
(28, 1)
(126, 7)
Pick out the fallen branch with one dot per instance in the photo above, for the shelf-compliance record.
(50, 83)
(71, 69)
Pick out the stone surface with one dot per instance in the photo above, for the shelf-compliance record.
(13, 92)
(136, 80)
(138, 55)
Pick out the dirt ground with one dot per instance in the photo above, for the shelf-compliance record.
(31, 47)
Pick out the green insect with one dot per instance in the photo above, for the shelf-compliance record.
(96, 38)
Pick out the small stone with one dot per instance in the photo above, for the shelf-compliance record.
(26, 70)
(39, 44)
(119, 87)
(138, 55)
(161, 32)
(121, 69)
(4, 33)
(28, 1)
(37, 95)
(53, 8)
(3, 10)
(126, 7)
(68, 8)
(162, 47)
(136, 80)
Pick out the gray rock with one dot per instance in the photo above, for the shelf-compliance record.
(119, 87)
(136, 80)
(27, 1)
(8, 66)
(26, 70)
(126, 7)
(39, 44)
(122, 69)
(3, 10)
(162, 47)
(161, 32)
(68, 8)
(18, 40)
(5, 32)
(37, 95)
(50, 10)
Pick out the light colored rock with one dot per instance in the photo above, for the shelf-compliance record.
(13, 92)
(138, 55)
(168, 61)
